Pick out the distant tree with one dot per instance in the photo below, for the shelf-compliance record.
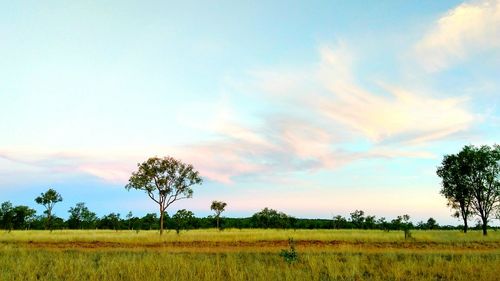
(6, 215)
(48, 200)
(81, 217)
(339, 222)
(218, 207)
(129, 219)
(22, 217)
(357, 218)
(183, 220)
(111, 221)
(456, 186)
(431, 224)
(269, 218)
(165, 180)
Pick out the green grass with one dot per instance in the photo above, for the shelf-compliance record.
(362, 255)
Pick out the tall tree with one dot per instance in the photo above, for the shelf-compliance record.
(483, 172)
(165, 180)
(48, 200)
(471, 182)
(454, 173)
(218, 207)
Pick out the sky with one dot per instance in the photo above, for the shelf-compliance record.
(313, 108)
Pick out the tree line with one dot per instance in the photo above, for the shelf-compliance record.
(80, 217)
(470, 182)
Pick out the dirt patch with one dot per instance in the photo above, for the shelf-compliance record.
(255, 245)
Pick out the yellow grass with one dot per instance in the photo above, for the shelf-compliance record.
(248, 255)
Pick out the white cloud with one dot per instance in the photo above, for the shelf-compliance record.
(467, 29)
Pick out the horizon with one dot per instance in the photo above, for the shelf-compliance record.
(312, 109)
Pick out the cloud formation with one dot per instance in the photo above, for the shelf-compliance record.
(467, 29)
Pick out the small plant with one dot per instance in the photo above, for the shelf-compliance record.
(290, 255)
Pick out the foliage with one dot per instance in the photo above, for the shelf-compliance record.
(218, 207)
(471, 182)
(290, 255)
(183, 220)
(81, 217)
(165, 180)
(48, 200)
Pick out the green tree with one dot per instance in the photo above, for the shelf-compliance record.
(483, 173)
(81, 217)
(165, 180)
(218, 207)
(183, 219)
(6, 215)
(454, 173)
(48, 200)
(22, 217)
(471, 182)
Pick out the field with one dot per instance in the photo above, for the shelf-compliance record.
(248, 255)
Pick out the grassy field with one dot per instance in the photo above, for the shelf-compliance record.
(248, 255)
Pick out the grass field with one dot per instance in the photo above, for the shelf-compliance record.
(248, 255)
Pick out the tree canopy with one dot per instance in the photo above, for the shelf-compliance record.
(471, 182)
(165, 180)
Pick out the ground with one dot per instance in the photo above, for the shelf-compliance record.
(248, 255)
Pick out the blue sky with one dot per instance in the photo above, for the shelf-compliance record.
(315, 108)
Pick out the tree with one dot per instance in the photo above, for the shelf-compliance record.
(483, 173)
(357, 218)
(48, 200)
(471, 182)
(22, 217)
(6, 215)
(183, 220)
(455, 186)
(165, 180)
(81, 217)
(218, 207)
(269, 218)
(431, 224)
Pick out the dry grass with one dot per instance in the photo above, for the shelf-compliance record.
(248, 255)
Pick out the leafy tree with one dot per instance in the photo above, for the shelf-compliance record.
(22, 217)
(471, 182)
(6, 215)
(357, 218)
(111, 221)
(483, 173)
(431, 224)
(218, 207)
(269, 218)
(165, 180)
(456, 186)
(48, 200)
(183, 219)
(81, 217)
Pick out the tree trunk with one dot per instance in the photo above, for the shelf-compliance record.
(218, 223)
(485, 226)
(161, 221)
(465, 225)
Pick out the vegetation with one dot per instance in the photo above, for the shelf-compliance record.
(471, 182)
(218, 207)
(165, 180)
(252, 254)
(48, 200)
